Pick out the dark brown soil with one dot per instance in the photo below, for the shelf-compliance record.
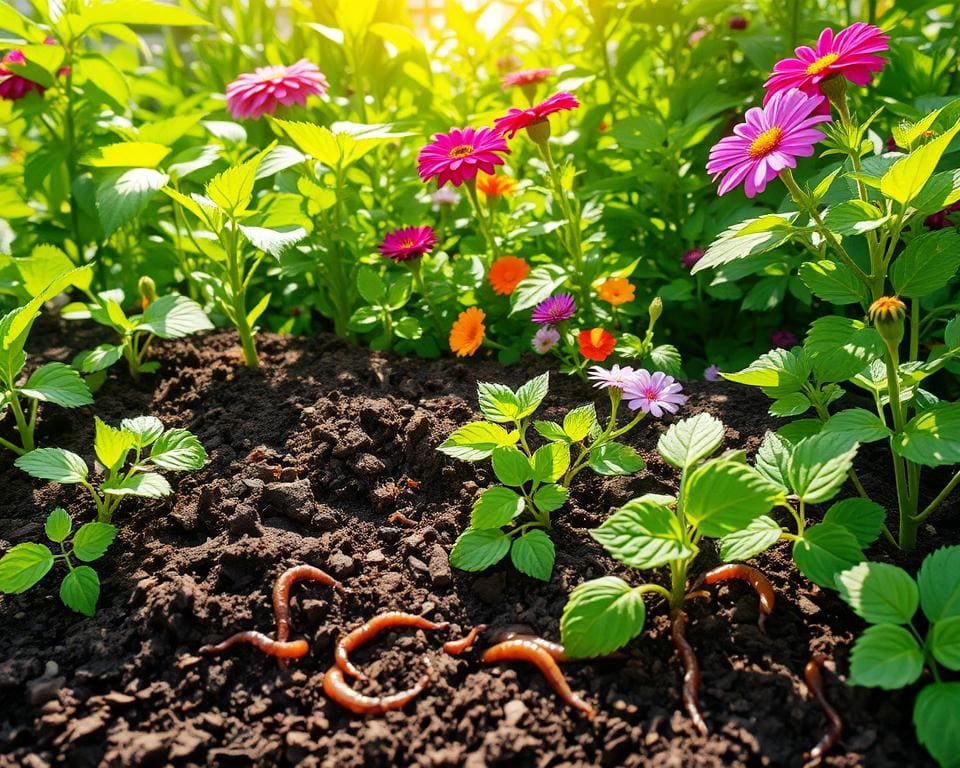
(309, 459)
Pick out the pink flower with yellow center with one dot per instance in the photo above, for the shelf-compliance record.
(459, 155)
(517, 119)
(262, 91)
(771, 139)
(852, 54)
(408, 243)
(526, 77)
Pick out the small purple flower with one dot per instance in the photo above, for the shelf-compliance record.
(615, 376)
(545, 339)
(554, 310)
(691, 257)
(712, 373)
(784, 339)
(654, 393)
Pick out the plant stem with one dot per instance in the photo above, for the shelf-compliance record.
(471, 186)
(23, 428)
(71, 142)
(908, 526)
(239, 291)
(941, 497)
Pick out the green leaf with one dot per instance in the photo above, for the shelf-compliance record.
(725, 496)
(136, 12)
(178, 450)
(476, 550)
(54, 464)
(854, 217)
(790, 405)
(92, 540)
(149, 485)
(824, 551)
(370, 285)
(551, 431)
(832, 282)
(945, 642)
(261, 306)
(879, 593)
(936, 716)
(857, 425)
(550, 497)
(511, 466)
(58, 525)
(908, 176)
(885, 656)
(111, 444)
(642, 534)
(124, 195)
(691, 440)
(80, 590)
(931, 438)
(862, 517)
(601, 616)
(57, 383)
(533, 554)
(495, 507)
(773, 459)
(145, 429)
(273, 240)
(939, 580)
(99, 358)
(498, 403)
(615, 459)
(540, 284)
(127, 154)
(44, 265)
(927, 264)
(232, 190)
(549, 462)
(747, 238)
(762, 533)
(779, 372)
(173, 317)
(819, 465)
(531, 394)
(23, 566)
(841, 347)
(578, 422)
(476, 441)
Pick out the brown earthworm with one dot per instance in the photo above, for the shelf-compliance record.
(748, 574)
(281, 593)
(456, 647)
(276, 648)
(366, 632)
(337, 689)
(813, 677)
(691, 671)
(525, 649)
(556, 651)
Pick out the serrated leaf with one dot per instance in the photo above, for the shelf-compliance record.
(931, 438)
(58, 525)
(857, 425)
(496, 507)
(879, 593)
(145, 429)
(945, 642)
(885, 656)
(819, 465)
(549, 462)
(841, 347)
(642, 534)
(939, 581)
(908, 175)
(498, 403)
(927, 264)
(92, 540)
(761, 534)
(936, 716)
(476, 550)
(533, 554)
(531, 394)
(273, 240)
(578, 422)
(148, 485)
(178, 450)
(23, 566)
(612, 459)
(58, 383)
(476, 441)
(691, 440)
(111, 444)
(832, 282)
(54, 464)
(80, 590)
(601, 616)
(854, 217)
(540, 284)
(725, 496)
(862, 517)
(123, 195)
(550, 497)
(173, 317)
(551, 431)
(824, 551)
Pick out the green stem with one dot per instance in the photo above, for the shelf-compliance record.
(914, 329)
(655, 589)
(678, 583)
(908, 526)
(71, 142)
(23, 428)
(941, 497)
(239, 292)
(481, 219)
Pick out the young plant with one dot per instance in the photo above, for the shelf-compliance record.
(718, 497)
(515, 517)
(130, 456)
(165, 317)
(24, 565)
(894, 652)
(386, 297)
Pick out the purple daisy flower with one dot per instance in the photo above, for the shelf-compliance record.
(654, 393)
(615, 376)
(545, 339)
(554, 310)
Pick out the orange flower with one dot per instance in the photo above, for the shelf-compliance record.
(506, 273)
(596, 344)
(616, 291)
(467, 332)
(495, 186)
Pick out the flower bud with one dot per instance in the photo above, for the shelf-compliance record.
(887, 314)
(539, 132)
(835, 89)
(148, 291)
(655, 310)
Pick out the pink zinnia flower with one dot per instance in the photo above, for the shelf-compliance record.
(691, 257)
(615, 376)
(408, 243)
(852, 54)
(457, 156)
(654, 393)
(771, 139)
(12, 86)
(554, 310)
(526, 77)
(545, 339)
(260, 92)
(516, 119)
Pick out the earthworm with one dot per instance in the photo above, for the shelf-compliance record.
(456, 647)
(748, 574)
(556, 650)
(399, 517)
(281, 593)
(336, 687)
(366, 632)
(691, 671)
(524, 649)
(813, 677)
(277, 648)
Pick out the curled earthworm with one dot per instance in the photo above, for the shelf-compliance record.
(556, 650)
(369, 630)
(456, 647)
(281, 593)
(277, 648)
(748, 574)
(813, 677)
(525, 649)
(691, 671)
(338, 690)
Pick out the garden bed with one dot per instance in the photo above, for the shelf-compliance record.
(309, 463)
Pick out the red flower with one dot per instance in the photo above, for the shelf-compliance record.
(596, 344)
(517, 119)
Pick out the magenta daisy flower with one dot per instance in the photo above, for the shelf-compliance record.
(691, 257)
(516, 119)
(554, 310)
(457, 156)
(13, 87)
(408, 243)
(654, 393)
(771, 139)
(545, 339)
(262, 91)
(851, 54)
(526, 77)
(615, 376)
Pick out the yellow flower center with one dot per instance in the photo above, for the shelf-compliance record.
(765, 143)
(461, 150)
(822, 63)
(596, 336)
(408, 243)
